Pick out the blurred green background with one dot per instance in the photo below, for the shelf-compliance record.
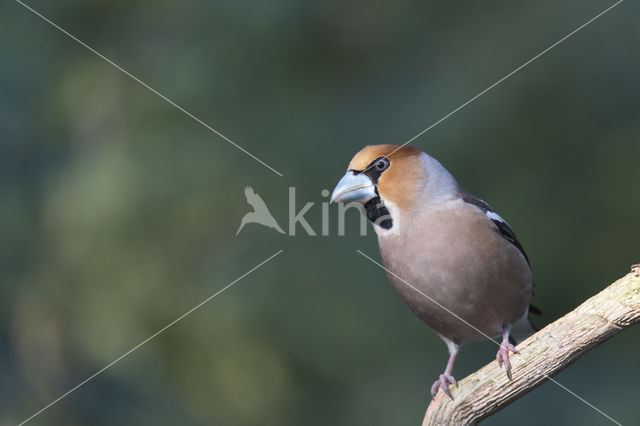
(118, 212)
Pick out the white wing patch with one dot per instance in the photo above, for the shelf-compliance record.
(495, 216)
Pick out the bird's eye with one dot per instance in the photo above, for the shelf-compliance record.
(382, 164)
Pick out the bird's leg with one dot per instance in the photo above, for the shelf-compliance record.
(446, 378)
(503, 353)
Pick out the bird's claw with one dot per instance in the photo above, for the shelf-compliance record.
(503, 356)
(443, 383)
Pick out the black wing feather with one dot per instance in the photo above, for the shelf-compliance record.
(508, 234)
(503, 227)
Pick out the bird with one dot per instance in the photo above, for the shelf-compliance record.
(452, 259)
(260, 213)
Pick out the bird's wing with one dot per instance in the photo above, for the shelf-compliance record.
(503, 226)
(508, 234)
(254, 199)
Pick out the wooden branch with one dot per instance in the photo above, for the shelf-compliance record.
(544, 354)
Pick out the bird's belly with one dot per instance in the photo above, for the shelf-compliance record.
(457, 317)
(461, 292)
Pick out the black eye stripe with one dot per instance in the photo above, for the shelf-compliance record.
(372, 170)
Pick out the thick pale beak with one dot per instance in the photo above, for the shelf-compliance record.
(353, 187)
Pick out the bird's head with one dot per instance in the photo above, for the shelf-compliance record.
(386, 171)
(391, 175)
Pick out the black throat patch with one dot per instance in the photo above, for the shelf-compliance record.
(378, 213)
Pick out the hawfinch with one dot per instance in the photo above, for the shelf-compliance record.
(452, 259)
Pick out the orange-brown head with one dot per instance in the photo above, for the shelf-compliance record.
(381, 176)
(388, 171)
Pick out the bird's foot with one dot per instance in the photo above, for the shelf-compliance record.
(443, 383)
(503, 356)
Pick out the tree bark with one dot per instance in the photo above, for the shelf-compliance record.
(542, 355)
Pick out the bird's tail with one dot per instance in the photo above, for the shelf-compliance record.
(277, 227)
(241, 225)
